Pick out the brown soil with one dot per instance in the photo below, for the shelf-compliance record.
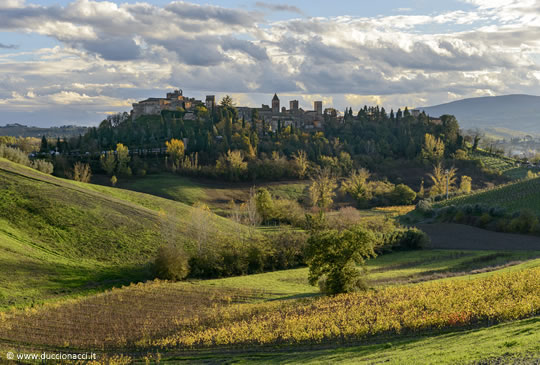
(462, 237)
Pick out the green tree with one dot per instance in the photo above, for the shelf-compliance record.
(175, 149)
(465, 184)
(122, 156)
(440, 177)
(333, 257)
(301, 163)
(82, 172)
(227, 102)
(264, 204)
(357, 187)
(322, 189)
(433, 148)
(171, 263)
(108, 162)
(44, 145)
(402, 195)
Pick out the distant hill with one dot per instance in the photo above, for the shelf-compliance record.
(492, 113)
(18, 130)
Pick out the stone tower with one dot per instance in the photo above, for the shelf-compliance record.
(275, 104)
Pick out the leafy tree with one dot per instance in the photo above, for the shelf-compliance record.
(322, 189)
(232, 164)
(301, 163)
(122, 155)
(356, 186)
(175, 149)
(227, 101)
(465, 184)
(171, 263)
(82, 172)
(440, 177)
(108, 162)
(433, 148)
(402, 195)
(264, 204)
(332, 257)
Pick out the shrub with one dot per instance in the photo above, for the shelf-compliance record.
(288, 211)
(171, 263)
(288, 250)
(406, 239)
(402, 195)
(44, 166)
(425, 207)
(526, 222)
(14, 155)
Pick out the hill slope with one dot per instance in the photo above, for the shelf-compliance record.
(516, 112)
(515, 196)
(57, 234)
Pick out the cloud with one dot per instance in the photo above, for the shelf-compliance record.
(110, 52)
(279, 7)
(8, 46)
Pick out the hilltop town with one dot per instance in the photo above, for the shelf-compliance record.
(273, 114)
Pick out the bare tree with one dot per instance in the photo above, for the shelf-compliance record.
(201, 224)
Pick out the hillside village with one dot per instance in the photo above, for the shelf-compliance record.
(272, 114)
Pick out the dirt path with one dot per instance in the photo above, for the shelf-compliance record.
(462, 237)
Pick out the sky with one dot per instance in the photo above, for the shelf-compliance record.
(76, 61)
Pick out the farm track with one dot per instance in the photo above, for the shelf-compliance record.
(462, 237)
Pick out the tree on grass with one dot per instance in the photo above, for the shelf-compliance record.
(322, 189)
(171, 263)
(333, 257)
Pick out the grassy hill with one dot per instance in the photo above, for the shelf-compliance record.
(215, 194)
(514, 196)
(61, 237)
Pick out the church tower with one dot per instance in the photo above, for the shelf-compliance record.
(275, 104)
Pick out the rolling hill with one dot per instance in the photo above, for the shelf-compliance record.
(524, 194)
(59, 237)
(511, 112)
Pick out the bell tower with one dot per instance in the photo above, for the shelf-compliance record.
(275, 104)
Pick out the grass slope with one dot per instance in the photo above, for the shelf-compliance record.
(514, 196)
(60, 237)
(215, 194)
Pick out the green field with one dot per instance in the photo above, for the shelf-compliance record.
(59, 237)
(216, 195)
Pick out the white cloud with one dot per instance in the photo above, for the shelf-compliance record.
(110, 51)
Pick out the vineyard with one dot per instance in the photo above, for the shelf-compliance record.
(353, 317)
(504, 165)
(514, 196)
(185, 316)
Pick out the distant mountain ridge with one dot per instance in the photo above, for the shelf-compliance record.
(19, 130)
(517, 112)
